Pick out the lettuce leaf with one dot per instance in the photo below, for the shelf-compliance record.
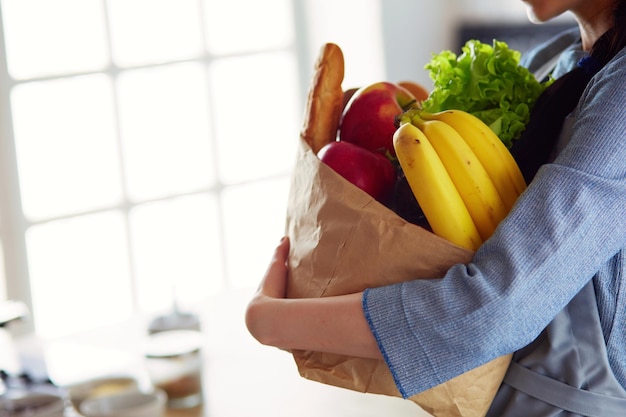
(487, 81)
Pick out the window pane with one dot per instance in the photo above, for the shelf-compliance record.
(164, 125)
(145, 31)
(66, 145)
(51, 37)
(79, 273)
(254, 221)
(177, 251)
(257, 115)
(268, 24)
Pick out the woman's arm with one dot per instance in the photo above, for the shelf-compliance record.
(329, 324)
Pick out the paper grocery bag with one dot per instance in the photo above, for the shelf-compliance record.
(343, 241)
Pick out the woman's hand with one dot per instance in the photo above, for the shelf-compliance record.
(328, 324)
(274, 283)
(273, 287)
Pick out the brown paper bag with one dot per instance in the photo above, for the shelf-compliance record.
(343, 241)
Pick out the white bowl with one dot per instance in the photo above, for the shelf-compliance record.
(125, 404)
(101, 386)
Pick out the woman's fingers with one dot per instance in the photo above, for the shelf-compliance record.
(274, 282)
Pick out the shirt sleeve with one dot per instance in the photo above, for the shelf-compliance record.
(565, 226)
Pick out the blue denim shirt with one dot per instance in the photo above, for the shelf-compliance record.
(567, 228)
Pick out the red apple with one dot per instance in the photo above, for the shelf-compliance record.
(371, 172)
(368, 120)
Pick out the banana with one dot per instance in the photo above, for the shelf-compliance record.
(468, 175)
(491, 152)
(433, 188)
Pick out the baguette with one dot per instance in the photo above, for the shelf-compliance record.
(325, 99)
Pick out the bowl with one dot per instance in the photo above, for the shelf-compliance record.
(125, 404)
(28, 403)
(100, 386)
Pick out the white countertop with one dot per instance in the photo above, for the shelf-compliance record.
(241, 377)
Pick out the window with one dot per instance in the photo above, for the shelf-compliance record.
(146, 151)
(146, 145)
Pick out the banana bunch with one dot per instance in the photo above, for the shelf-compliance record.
(462, 175)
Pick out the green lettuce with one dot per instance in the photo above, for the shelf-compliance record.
(488, 82)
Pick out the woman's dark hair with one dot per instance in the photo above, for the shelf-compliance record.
(616, 37)
(536, 144)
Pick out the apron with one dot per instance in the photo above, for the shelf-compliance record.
(565, 372)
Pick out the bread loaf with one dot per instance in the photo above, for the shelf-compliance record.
(325, 98)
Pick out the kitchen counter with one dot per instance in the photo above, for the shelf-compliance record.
(241, 378)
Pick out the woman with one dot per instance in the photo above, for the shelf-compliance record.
(549, 285)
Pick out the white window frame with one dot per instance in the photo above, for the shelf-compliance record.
(13, 223)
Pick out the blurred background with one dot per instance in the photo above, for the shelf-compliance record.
(146, 145)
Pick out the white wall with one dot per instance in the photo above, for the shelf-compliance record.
(413, 31)
(390, 39)
(394, 39)
(355, 26)
(491, 10)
